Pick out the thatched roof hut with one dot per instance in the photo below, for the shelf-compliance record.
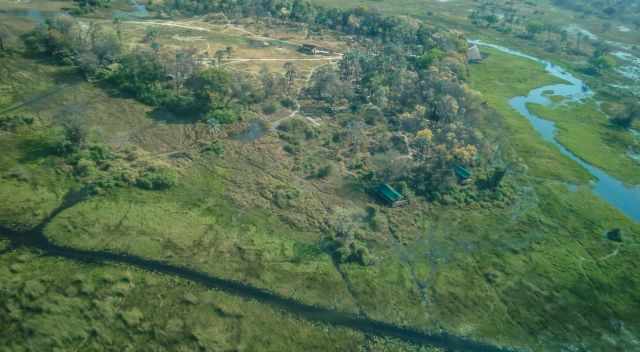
(473, 54)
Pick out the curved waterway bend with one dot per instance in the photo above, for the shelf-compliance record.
(624, 197)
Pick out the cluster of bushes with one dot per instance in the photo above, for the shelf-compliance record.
(346, 249)
(211, 94)
(88, 6)
(112, 170)
(295, 132)
(599, 62)
(66, 41)
(626, 117)
(214, 147)
(284, 197)
(102, 169)
(98, 166)
(346, 233)
(154, 178)
(13, 122)
(352, 252)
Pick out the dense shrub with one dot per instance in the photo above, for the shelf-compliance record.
(349, 251)
(269, 107)
(285, 197)
(223, 116)
(214, 147)
(157, 179)
(12, 122)
(288, 103)
(325, 171)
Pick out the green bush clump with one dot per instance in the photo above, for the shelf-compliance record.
(103, 184)
(297, 128)
(85, 168)
(157, 179)
(288, 103)
(285, 197)
(291, 148)
(325, 171)
(214, 147)
(223, 116)
(269, 107)
(352, 252)
(12, 122)
(345, 248)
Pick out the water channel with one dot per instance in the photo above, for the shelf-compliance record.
(622, 196)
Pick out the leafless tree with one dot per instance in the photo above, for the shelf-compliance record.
(186, 64)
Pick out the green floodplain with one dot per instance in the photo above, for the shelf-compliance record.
(256, 227)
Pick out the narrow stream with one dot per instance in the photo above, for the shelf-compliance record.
(624, 197)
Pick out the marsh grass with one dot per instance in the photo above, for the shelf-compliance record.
(48, 301)
(587, 132)
(501, 77)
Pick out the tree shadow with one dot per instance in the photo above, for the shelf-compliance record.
(68, 76)
(36, 240)
(38, 148)
(167, 116)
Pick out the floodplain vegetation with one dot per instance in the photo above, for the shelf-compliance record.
(208, 139)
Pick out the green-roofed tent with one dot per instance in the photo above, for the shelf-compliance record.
(461, 172)
(390, 196)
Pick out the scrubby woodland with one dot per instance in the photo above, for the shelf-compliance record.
(625, 10)
(399, 94)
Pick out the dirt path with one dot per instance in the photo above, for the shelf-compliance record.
(327, 58)
(275, 124)
(193, 26)
(183, 25)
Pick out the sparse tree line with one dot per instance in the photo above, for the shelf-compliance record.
(88, 6)
(526, 21)
(176, 81)
(358, 21)
(625, 10)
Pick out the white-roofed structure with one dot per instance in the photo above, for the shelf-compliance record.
(473, 54)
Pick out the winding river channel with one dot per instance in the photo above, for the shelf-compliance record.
(615, 192)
